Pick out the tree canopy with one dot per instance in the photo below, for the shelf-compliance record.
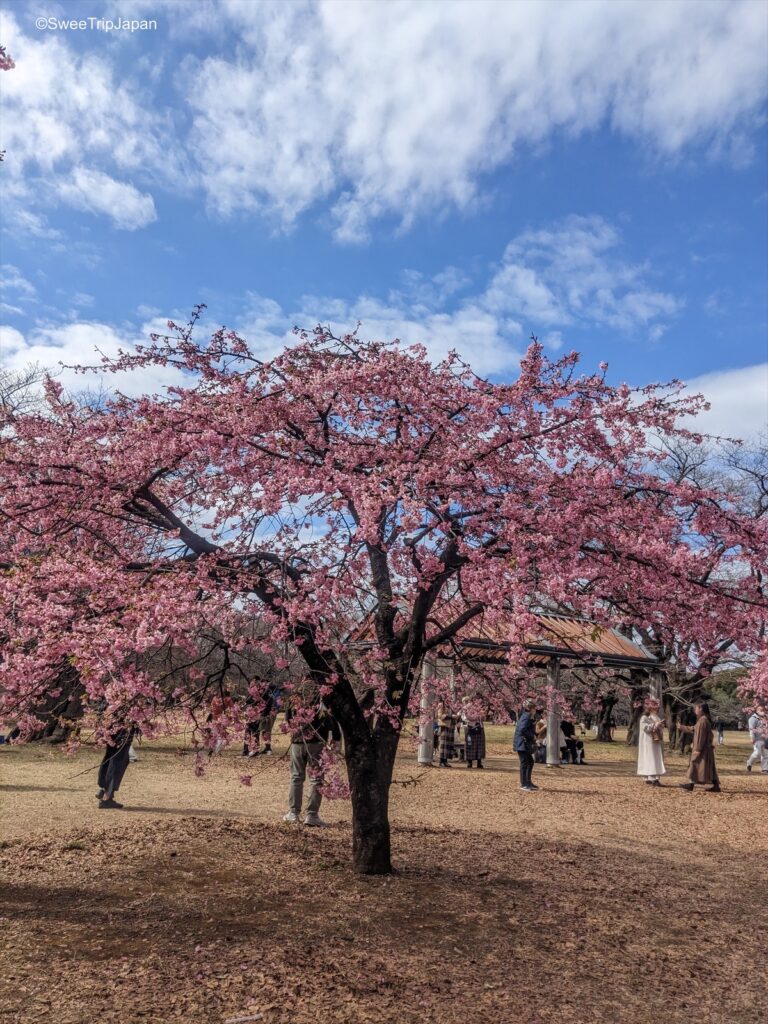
(272, 505)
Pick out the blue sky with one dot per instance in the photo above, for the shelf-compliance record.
(459, 174)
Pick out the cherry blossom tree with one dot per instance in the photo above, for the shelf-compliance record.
(735, 473)
(338, 483)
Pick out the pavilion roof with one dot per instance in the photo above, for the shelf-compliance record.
(569, 638)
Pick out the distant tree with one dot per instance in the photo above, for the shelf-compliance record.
(21, 390)
(735, 476)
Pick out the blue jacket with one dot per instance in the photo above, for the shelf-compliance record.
(525, 734)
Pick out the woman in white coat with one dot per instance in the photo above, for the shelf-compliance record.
(650, 759)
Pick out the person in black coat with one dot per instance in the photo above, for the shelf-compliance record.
(112, 768)
(573, 748)
(525, 746)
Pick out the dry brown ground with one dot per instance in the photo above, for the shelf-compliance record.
(595, 900)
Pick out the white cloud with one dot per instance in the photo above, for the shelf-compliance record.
(12, 280)
(67, 115)
(572, 273)
(739, 400)
(420, 290)
(26, 224)
(11, 342)
(400, 108)
(82, 343)
(96, 192)
(553, 340)
(377, 109)
(488, 342)
(564, 276)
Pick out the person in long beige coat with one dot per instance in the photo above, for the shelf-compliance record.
(650, 759)
(702, 770)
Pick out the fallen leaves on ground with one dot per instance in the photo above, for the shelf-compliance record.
(595, 901)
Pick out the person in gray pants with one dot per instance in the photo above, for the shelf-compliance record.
(307, 744)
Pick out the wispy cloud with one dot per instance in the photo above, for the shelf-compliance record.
(12, 281)
(739, 401)
(573, 272)
(399, 109)
(372, 109)
(97, 192)
(72, 122)
(551, 282)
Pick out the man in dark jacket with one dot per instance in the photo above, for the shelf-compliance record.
(525, 746)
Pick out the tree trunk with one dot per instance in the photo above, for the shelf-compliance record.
(638, 686)
(62, 712)
(685, 739)
(369, 770)
(633, 730)
(605, 719)
(671, 720)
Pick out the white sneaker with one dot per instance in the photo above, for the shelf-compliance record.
(290, 816)
(314, 821)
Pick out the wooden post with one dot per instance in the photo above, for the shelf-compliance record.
(427, 716)
(553, 718)
(656, 684)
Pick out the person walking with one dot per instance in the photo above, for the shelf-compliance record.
(702, 770)
(525, 746)
(307, 743)
(445, 737)
(113, 767)
(650, 758)
(221, 706)
(540, 755)
(260, 729)
(251, 737)
(758, 735)
(474, 733)
(720, 729)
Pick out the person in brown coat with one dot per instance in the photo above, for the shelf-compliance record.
(701, 768)
(447, 727)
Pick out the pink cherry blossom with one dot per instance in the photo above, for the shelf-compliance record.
(277, 508)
